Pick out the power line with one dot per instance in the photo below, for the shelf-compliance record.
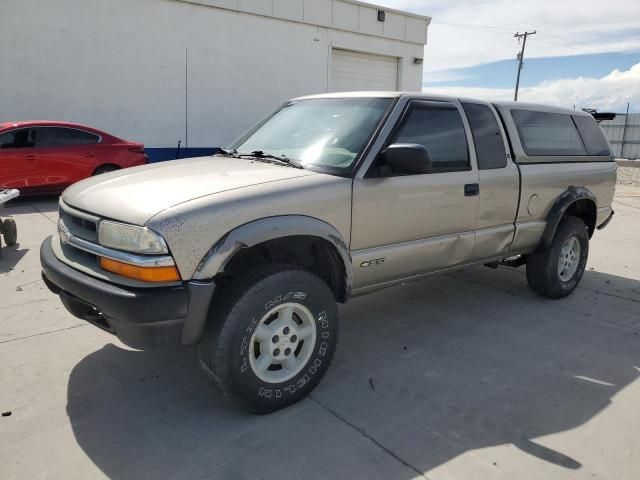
(477, 27)
(509, 31)
(568, 42)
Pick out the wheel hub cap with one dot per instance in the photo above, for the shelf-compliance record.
(282, 342)
(569, 259)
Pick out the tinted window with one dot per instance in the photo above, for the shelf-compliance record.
(547, 133)
(592, 136)
(487, 137)
(23, 138)
(7, 140)
(57, 137)
(441, 131)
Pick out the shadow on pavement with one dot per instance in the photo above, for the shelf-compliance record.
(10, 256)
(40, 203)
(423, 374)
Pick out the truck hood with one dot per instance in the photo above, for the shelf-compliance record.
(134, 195)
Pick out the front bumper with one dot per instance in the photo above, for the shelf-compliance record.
(141, 317)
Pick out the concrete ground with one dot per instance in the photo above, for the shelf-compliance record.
(465, 375)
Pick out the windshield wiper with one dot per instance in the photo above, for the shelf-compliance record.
(227, 152)
(260, 154)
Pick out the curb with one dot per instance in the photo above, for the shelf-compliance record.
(628, 163)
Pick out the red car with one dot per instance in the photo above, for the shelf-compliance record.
(47, 157)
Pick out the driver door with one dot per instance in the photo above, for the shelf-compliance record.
(404, 226)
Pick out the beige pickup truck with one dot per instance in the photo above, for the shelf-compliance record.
(247, 253)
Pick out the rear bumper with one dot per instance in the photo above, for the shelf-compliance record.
(141, 317)
(606, 222)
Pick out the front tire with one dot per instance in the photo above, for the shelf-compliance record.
(557, 271)
(271, 340)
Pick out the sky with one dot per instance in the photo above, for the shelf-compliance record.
(585, 53)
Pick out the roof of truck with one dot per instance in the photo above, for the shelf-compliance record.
(431, 96)
(538, 106)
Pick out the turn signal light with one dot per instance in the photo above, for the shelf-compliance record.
(145, 274)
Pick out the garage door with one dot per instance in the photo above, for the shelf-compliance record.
(362, 71)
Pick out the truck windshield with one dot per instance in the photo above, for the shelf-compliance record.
(322, 132)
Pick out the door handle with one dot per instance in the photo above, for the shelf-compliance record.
(88, 154)
(471, 189)
(31, 157)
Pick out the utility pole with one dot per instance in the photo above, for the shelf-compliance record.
(186, 101)
(624, 132)
(522, 36)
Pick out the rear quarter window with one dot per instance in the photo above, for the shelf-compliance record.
(64, 136)
(592, 136)
(548, 134)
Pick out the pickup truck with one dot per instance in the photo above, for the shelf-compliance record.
(248, 252)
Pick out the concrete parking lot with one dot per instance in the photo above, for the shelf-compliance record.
(465, 375)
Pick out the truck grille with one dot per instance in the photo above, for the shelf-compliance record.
(80, 224)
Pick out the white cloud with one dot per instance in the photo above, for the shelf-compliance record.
(443, 76)
(567, 27)
(609, 93)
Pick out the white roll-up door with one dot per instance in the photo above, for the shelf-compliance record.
(362, 71)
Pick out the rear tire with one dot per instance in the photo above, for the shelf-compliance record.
(10, 232)
(271, 339)
(105, 169)
(557, 271)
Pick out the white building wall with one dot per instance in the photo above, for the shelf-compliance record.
(119, 65)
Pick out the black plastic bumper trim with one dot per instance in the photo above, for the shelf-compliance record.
(606, 222)
(140, 317)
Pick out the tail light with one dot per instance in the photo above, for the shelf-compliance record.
(137, 148)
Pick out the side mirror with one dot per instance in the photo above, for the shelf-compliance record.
(407, 158)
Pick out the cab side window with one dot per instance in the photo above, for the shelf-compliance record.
(22, 138)
(62, 137)
(441, 131)
(487, 137)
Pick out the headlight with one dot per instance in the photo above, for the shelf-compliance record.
(130, 238)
